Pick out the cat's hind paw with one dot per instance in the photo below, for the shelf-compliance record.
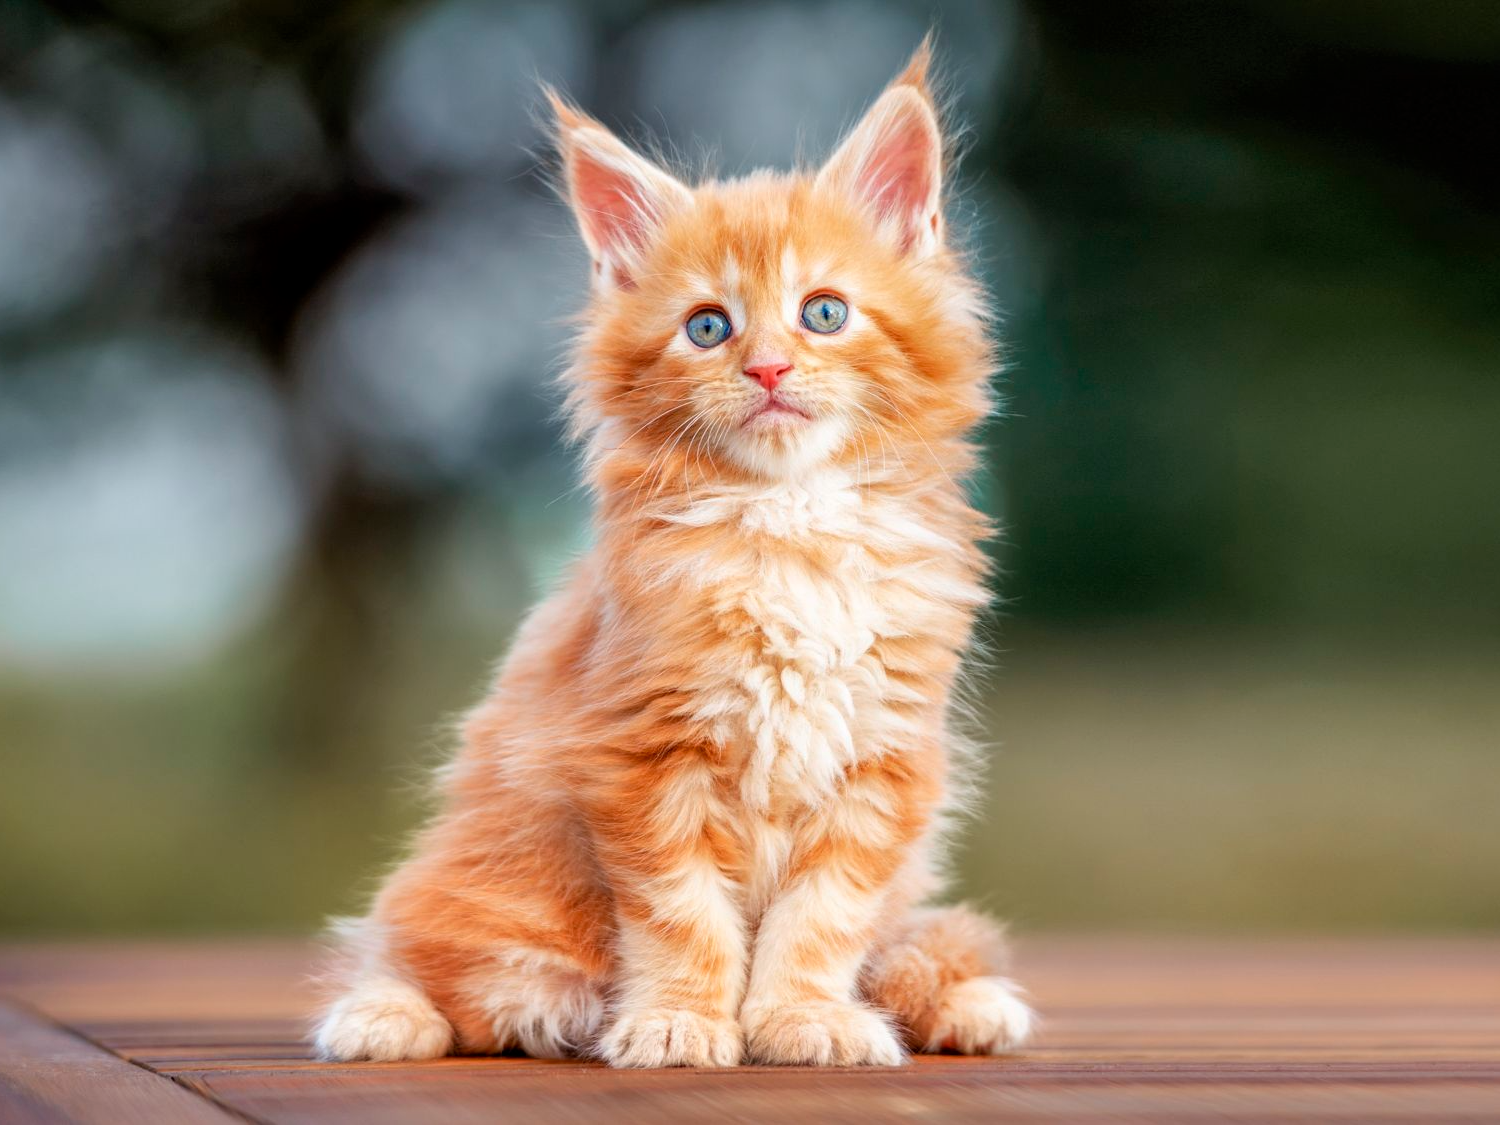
(383, 1019)
(671, 1037)
(982, 1016)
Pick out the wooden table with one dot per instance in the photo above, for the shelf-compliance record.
(1136, 1030)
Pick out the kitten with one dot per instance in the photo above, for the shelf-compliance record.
(695, 821)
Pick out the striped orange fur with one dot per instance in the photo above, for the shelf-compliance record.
(696, 820)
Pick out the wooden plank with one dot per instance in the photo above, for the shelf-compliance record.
(160, 980)
(860, 1098)
(1373, 1047)
(269, 980)
(48, 1074)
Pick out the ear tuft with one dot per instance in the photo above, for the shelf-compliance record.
(619, 198)
(565, 115)
(917, 68)
(893, 159)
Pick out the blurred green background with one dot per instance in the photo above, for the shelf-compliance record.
(280, 287)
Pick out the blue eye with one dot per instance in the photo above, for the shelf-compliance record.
(708, 328)
(824, 313)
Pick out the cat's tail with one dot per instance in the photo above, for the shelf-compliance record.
(939, 975)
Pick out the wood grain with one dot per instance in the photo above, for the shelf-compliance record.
(49, 1074)
(1136, 1029)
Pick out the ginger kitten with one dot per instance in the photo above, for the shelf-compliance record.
(696, 820)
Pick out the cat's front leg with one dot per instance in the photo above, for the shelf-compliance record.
(681, 944)
(801, 1006)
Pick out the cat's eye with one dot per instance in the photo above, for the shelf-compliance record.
(708, 328)
(824, 313)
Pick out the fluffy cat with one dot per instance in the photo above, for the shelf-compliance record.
(696, 821)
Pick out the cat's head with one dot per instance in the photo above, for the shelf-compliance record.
(777, 322)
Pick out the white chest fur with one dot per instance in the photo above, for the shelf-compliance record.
(799, 589)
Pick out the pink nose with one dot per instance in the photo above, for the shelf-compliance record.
(768, 372)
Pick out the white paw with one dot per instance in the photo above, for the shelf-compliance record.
(538, 1001)
(671, 1037)
(556, 1018)
(982, 1016)
(383, 1019)
(826, 1034)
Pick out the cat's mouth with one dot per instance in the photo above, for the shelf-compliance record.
(775, 409)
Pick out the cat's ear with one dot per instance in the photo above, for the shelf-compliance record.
(893, 159)
(618, 197)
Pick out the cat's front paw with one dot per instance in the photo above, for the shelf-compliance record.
(826, 1034)
(982, 1016)
(643, 1037)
